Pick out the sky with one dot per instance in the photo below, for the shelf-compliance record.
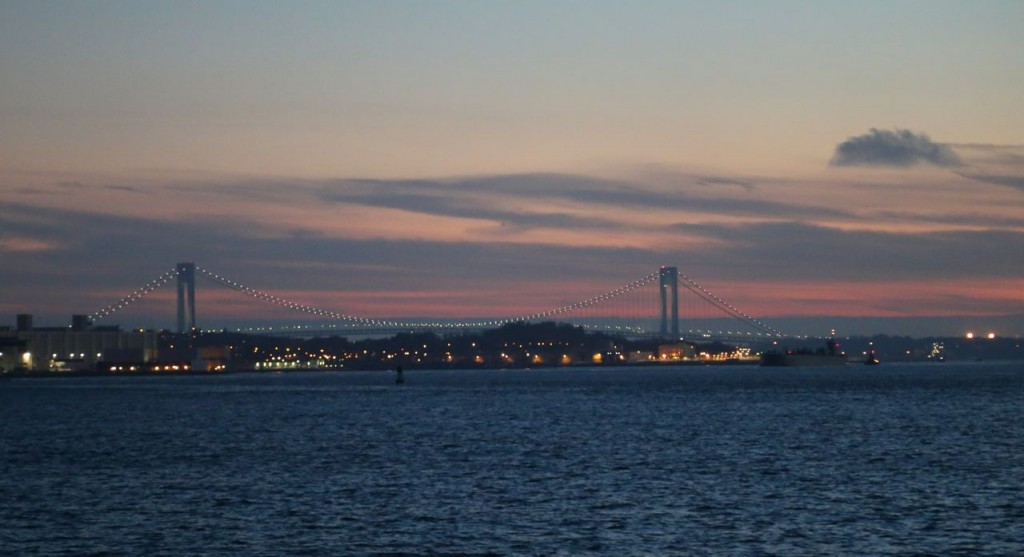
(817, 160)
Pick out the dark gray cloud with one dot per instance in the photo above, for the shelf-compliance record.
(897, 147)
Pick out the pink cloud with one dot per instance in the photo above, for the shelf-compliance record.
(20, 244)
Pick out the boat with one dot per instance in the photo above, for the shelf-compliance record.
(828, 356)
(798, 359)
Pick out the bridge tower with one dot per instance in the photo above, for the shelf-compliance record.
(186, 297)
(669, 287)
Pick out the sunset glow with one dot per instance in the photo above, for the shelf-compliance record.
(429, 160)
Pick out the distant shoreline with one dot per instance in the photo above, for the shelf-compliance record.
(55, 374)
(621, 366)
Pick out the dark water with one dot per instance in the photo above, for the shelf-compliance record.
(739, 461)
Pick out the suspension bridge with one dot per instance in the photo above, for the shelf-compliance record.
(664, 303)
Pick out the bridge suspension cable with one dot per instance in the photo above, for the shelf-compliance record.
(263, 296)
(135, 296)
(266, 297)
(365, 322)
(589, 302)
(707, 296)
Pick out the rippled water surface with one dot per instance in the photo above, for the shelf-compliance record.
(745, 461)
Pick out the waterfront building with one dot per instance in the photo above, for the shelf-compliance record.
(677, 351)
(12, 352)
(80, 347)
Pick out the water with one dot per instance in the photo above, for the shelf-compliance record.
(894, 460)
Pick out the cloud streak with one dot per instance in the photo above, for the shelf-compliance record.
(894, 148)
(1015, 182)
(596, 200)
(793, 250)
